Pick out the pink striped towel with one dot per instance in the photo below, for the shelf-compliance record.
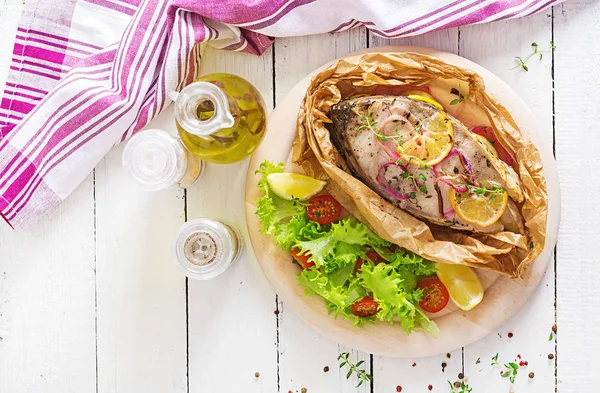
(87, 74)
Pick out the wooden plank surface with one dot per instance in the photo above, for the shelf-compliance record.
(531, 326)
(577, 62)
(303, 353)
(414, 375)
(142, 337)
(232, 325)
(141, 304)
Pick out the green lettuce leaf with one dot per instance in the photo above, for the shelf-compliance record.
(271, 209)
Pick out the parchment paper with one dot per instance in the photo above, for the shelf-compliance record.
(386, 73)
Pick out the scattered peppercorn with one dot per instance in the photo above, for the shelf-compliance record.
(276, 312)
(444, 366)
(303, 390)
(430, 387)
(326, 369)
(448, 355)
(257, 374)
(398, 388)
(554, 328)
(414, 364)
(531, 375)
(510, 334)
(457, 384)
(461, 376)
(550, 356)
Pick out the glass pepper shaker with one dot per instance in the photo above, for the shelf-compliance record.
(204, 248)
(157, 160)
(220, 117)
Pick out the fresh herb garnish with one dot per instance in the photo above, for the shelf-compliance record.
(551, 336)
(494, 191)
(521, 62)
(495, 360)
(478, 361)
(371, 124)
(461, 96)
(353, 369)
(531, 245)
(510, 371)
(421, 187)
(459, 387)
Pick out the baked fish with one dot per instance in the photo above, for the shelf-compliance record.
(426, 162)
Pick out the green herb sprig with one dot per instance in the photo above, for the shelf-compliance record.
(510, 370)
(461, 96)
(459, 387)
(494, 191)
(353, 369)
(536, 51)
(422, 189)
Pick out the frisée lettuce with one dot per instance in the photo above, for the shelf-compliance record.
(335, 249)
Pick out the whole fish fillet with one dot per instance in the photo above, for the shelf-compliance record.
(375, 161)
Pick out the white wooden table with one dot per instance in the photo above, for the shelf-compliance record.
(90, 300)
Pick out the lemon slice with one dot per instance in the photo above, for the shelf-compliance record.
(463, 284)
(425, 97)
(294, 185)
(480, 207)
(429, 142)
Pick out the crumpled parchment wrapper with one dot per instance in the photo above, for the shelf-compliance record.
(383, 73)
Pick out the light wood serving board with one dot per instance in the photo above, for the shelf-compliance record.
(503, 297)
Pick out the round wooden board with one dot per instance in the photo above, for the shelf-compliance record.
(503, 296)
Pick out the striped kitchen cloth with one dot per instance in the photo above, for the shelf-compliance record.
(87, 74)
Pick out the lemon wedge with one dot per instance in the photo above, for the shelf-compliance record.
(463, 284)
(429, 142)
(425, 97)
(481, 207)
(294, 185)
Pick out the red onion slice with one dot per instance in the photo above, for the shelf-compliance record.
(448, 213)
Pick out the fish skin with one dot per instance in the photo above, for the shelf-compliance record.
(365, 153)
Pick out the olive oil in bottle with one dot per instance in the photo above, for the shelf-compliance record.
(221, 117)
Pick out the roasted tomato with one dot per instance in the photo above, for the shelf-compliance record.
(488, 133)
(302, 259)
(324, 209)
(365, 307)
(435, 295)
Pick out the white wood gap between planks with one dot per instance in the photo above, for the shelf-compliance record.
(90, 300)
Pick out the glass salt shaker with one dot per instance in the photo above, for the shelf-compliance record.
(158, 161)
(220, 117)
(204, 248)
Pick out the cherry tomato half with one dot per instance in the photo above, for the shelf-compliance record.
(324, 209)
(302, 259)
(435, 295)
(373, 256)
(365, 307)
(488, 133)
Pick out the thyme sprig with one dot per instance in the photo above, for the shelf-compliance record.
(461, 96)
(521, 62)
(422, 189)
(494, 191)
(353, 369)
(509, 371)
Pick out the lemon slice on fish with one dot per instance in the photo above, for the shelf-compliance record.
(479, 206)
(294, 185)
(425, 97)
(430, 141)
(463, 284)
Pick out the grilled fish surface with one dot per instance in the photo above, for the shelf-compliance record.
(374, 161)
